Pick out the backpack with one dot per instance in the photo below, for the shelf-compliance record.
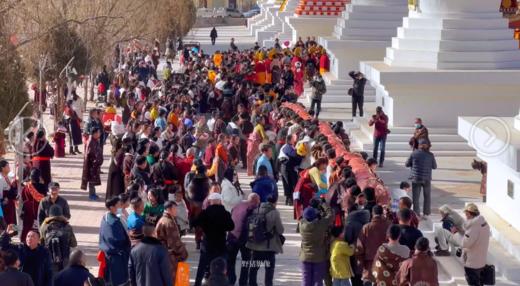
(57, 242)
(257, 227)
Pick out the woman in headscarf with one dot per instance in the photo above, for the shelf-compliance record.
(257, 136)
(42, 154)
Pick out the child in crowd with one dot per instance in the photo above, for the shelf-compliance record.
(182, 213)
(340, 250)
(397, 194)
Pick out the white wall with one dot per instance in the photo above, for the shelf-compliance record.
(497, 198)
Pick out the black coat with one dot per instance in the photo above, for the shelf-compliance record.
(409, 236)
(13, 277)
(354, 223)
(198, 188)
(35, 262)
(149, 264)
(74, 275)
(358, 86)
(215, 221)
(422, 163)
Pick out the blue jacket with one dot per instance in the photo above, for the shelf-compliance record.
(265, 187)
(115, 243)
(135, 221)
(263, 160)
(74, 275)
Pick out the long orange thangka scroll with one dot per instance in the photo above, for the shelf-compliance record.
(364, 177)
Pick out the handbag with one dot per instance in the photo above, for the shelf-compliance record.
(350, 91)
(488, 275)
(182, 277)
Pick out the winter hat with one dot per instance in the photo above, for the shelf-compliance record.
(55, 210)
(310, 214)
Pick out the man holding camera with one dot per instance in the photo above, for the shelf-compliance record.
(380, 123)
(357, 92)
(318, 90)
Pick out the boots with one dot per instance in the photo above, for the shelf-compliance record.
(76, 149)
(71, 151)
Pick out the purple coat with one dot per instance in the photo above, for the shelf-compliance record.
(239, 215)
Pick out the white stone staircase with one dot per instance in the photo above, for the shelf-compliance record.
(362, 32)
(263, 19)
(283, 30)
(445, 141)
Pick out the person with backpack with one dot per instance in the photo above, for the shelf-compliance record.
(265, 240)
(58, 237)
(52, 199)
(318, 90)
(237, 238)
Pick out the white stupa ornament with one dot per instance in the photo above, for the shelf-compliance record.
(455, 34)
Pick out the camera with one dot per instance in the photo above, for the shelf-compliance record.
(458, 252)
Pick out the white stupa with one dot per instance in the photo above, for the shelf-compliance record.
(450, 58)
(363, 32)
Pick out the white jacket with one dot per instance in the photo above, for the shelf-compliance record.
(230, 195)
(475, 242)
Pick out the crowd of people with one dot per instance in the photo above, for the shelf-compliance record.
(178, 138)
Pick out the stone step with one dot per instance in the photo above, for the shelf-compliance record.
(455, 56)
(436, 146)
(461, 35)
(360, 33)
(444, 141)
(434, 46)
(395, 6)
(369, 24)
(466, 24)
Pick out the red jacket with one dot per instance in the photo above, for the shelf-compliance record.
(380, 126)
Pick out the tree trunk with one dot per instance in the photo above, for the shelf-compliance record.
(91, 90)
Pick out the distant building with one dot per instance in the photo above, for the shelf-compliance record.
(241, 5)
